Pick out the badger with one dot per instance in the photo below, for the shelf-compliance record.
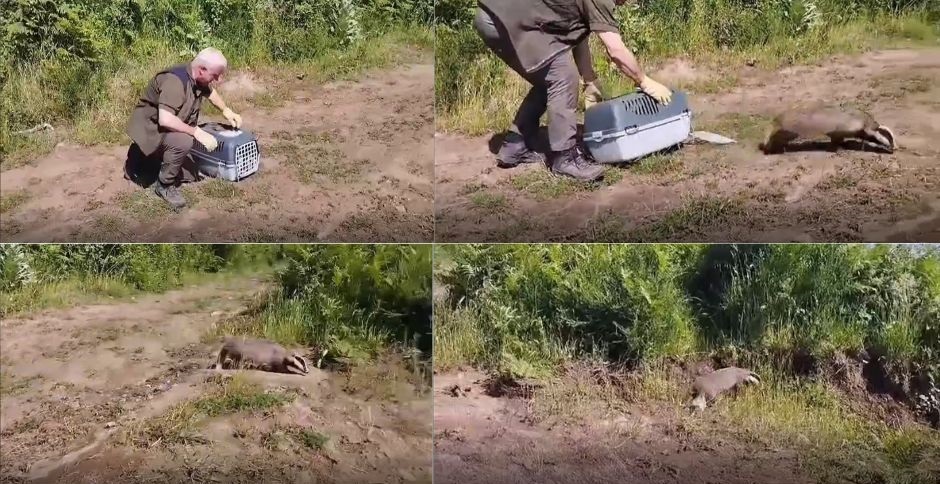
(707, 388)
(262, 355)
(837, 123)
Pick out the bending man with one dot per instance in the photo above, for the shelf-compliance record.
(163, 124)
(535, 38)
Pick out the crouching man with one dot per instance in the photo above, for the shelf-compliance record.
(163, 124)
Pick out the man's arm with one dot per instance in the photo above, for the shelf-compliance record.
(622, 57)
(168, 120)
(230, 115)
(216, 100)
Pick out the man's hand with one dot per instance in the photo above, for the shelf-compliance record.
(592, 94)
(627, 63)
(206, 139)
(657, 91)
(232, 117)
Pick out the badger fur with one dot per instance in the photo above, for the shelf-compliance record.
(836, 123)
(707, 388)
(262, 355)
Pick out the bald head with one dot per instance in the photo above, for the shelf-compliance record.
(208, 66)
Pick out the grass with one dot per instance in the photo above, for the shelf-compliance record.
(807, 416)
(741, 127)
(144, 205)
(62, 294)
(24, 149)
(541, 185)
(478, 95)
(9, 203)
(658, 164)
(180, 424)
(459, 339)
(788, 311)
(696, 217)
(221, 190)
(311, 164)
(102, 118)
(489, 201)
(11, 386)
(77, 291)
(837, 443)
(312, 440)
(358, 310)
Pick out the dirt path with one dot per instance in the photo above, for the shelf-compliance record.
(730, 193)
(131, 369)
(479, 438)
(348, 161)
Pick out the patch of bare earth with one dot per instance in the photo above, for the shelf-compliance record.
(345, 161)
(98, 394)
(735, 192)
(481, 438)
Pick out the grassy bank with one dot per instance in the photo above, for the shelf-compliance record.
(36, 277)
(529, 309)
(476, 93)
(361, 302)
(355, 301)
(607, 328)
(81, 65)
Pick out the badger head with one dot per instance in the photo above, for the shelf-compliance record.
(296, 364)
(697, 404)
(752, 378)
(885, 136)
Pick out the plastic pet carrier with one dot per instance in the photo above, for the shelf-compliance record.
(236, 157)
(635, 125)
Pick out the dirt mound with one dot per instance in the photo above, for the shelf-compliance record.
(727, 193)
(119, 393)
(348, 161)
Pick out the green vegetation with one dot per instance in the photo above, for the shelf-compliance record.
(81, 64)
(545, 303)
(476, 93)
(180, 424)
(573, 315)
(529, 308)
(34, 277)
(355, 301)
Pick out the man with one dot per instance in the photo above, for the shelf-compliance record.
(535, 38)
(163, 124)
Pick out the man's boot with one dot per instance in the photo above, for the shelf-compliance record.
(171, 194)
(571, 163)
(515, 151)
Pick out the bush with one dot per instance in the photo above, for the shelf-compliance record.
(60, 58)
(355, 300)
(642, 304)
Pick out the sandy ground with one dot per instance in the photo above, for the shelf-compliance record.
(346, 161)
(480, 438)
(728, 193)
(78, 381)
